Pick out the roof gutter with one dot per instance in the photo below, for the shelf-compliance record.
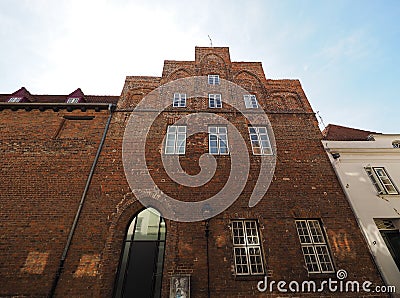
(60, 268)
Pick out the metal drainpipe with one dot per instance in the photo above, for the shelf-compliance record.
(207, 231)
(60, 268)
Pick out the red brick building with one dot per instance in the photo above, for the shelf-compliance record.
(72, 227)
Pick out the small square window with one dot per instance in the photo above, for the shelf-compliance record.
(213, 79)
(214, 101)
(73, 100)
(250, 101)
(175, 142)
(15, 99)
(179, 100)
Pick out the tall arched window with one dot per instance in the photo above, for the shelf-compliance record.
(140, 270)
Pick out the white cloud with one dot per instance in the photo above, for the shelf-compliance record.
(101, 42)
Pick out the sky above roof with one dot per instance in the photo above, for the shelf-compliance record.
(345, 53)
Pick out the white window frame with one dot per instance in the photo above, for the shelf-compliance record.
(250, 101)
(259, 139)
(216, 99)
(247, 253)
(179, 100)
(213, 79)
(73, 100)
(314, 246)
(218, 135)
(15, 99)
(381, 180)
(175, 140)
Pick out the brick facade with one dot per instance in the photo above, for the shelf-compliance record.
(46, 159)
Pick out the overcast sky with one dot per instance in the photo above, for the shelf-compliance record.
(345, 53)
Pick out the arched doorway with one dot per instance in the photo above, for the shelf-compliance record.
(140, 269)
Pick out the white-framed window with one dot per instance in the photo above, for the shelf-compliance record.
(73, 100)
(218, 140)
(15, 99)
(214, 101)
(381, 180)
(250, 101)
(246, 247)
(179, 100)
(260, 140)
(213, 79)
(314, 246)
(175, 141)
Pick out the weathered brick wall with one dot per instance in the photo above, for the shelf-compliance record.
(45, 160)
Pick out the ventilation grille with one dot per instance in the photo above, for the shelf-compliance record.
(385, 224)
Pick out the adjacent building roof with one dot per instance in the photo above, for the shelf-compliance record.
(28, 97)
(341, 133)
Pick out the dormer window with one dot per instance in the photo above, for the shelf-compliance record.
(73, 100)
(213, 79)
(15, 99)
(76, 97)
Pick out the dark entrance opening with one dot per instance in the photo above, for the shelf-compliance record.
(140, 270)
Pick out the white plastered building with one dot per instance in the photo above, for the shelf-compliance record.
(368, 167)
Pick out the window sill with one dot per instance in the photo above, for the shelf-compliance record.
(249, 277)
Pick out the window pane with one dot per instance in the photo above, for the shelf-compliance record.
(169, 150)
(324, 258)
(267, 151)
(182, 129)
(252, 130)
(147, 226)
(257, 150)
(223, 150)
(241, 263)
(310, 259)
(262, 130)
(130, 230)
(303, 231)
(256, 264)
(213, 150)
(222, 129)
(316, 232)
(170, 141)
